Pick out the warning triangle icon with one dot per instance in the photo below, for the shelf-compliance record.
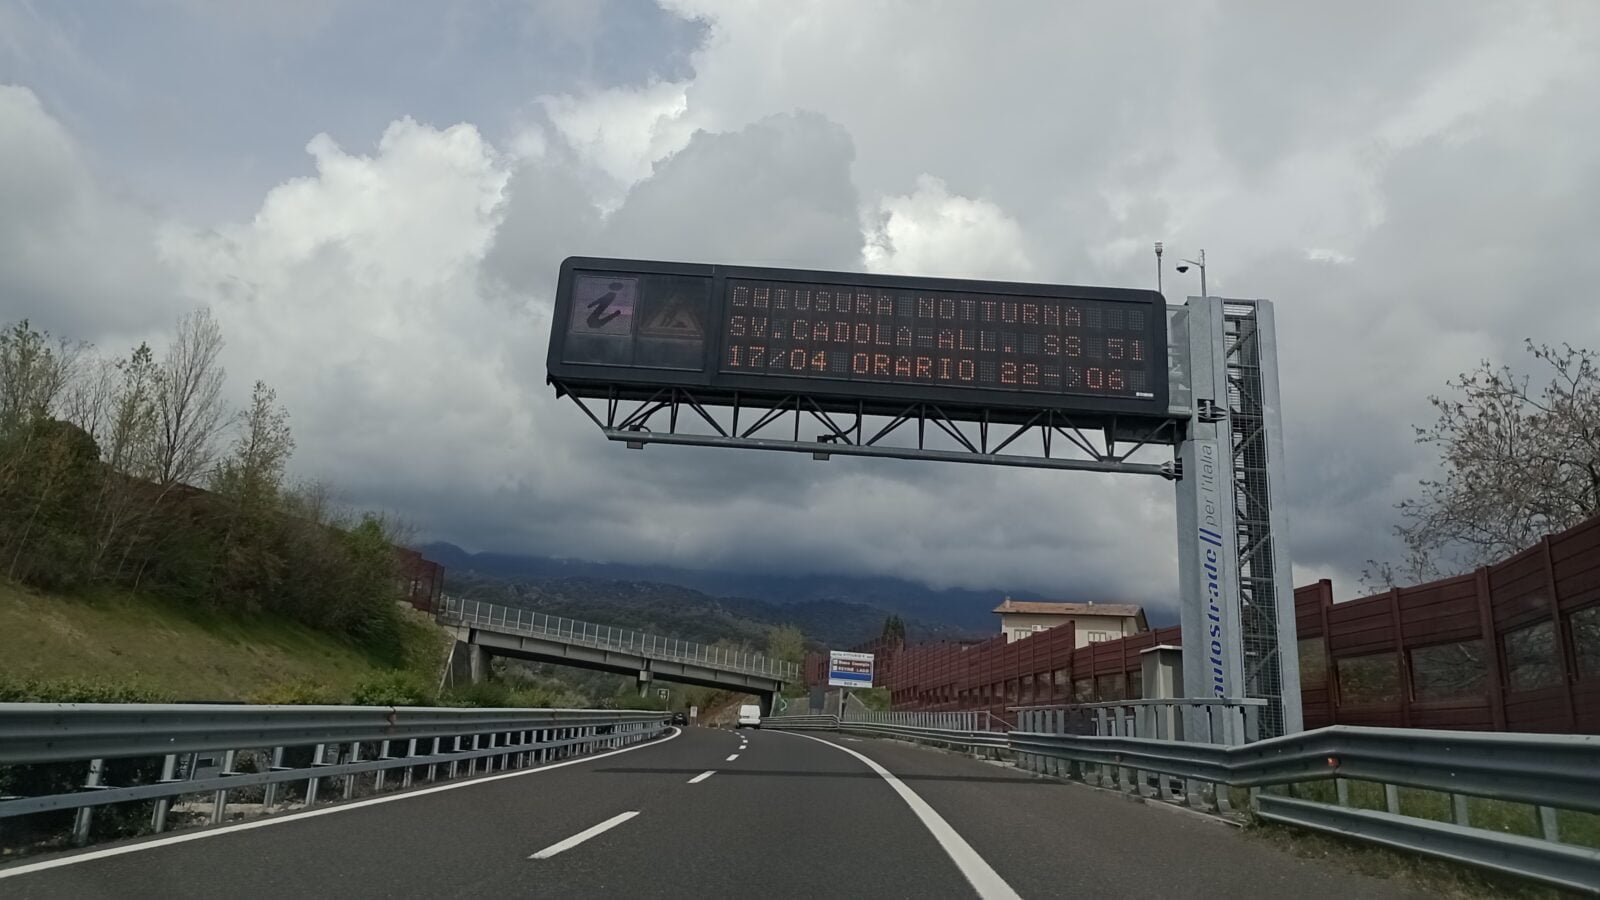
(677, 318)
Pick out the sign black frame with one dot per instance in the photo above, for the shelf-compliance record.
(714, 385)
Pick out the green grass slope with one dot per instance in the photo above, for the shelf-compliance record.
(184, 654)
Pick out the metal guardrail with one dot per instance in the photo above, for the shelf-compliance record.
(962, 720)
(218, 749)
(1208, 720)
(972, 738)
(1544, 773)
(605, 637)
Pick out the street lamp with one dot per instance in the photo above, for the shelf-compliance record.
(1159, 248)
(1201, 265)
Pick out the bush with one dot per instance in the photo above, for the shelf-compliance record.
(297, 693)
(393, 688)
(77, 690)
(484, 693)
(533, 698)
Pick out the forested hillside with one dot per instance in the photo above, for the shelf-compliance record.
(131, 472)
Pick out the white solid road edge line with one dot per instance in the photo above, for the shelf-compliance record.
(584, 835)
(983, 878)
(703, 776)
(307, 814)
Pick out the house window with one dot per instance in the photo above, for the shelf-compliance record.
(1094, 636)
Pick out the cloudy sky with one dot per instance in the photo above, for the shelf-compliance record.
(374, 199)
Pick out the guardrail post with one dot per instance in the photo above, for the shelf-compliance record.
(1341, 789)
(85, 815)
(1549, 825)
(1103, 773)
(383, 753)
(219, 800)
(455, 747)
(158, 816)
(350, 780)
(269, 795)
(1458, 809)
(409, 771)
(1058, 725)
(311, 783)
(1128, 776)
(1159, 728)
(1391, 798)
(472, 761)
(433, 767)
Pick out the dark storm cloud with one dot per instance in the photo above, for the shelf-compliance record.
(1416, 192)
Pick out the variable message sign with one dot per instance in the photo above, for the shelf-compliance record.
(841, 336)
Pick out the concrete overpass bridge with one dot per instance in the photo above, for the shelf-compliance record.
(486, 629)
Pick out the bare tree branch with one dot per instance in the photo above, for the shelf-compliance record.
(188, 400)
(1516, 465)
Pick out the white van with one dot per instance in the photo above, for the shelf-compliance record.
(749, 716)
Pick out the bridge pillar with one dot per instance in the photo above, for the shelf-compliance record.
(478, 663)
(468, 664)
(644, 680)
(769, 703)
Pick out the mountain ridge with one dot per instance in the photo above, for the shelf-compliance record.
(969, 611)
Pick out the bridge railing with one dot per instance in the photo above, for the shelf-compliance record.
(1463, 790)
(70, 759)
(606, 637)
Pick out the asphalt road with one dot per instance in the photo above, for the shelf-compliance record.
(788, 816)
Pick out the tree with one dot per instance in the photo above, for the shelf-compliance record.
(32, 374)
(894, 630)
(1517, 463)
(188, 400)
(787, 643)
(249, 482)
(126, 450)
(44, 509)
(87, 402)
(252, 474)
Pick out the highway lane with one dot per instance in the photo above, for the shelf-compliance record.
(469, 840)
(722, 835)
(742, 831)
(785, 817)
(1048, 838)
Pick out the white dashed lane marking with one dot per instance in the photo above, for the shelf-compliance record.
(584, 835)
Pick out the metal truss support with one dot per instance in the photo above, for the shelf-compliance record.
(1237, 600)
(798, 423)
(1271, 660)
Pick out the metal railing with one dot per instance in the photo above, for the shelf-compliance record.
(606, 637)
(961, 720)
(158, 752)
(1308, 779)
(1229, 721)
(984, 734)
